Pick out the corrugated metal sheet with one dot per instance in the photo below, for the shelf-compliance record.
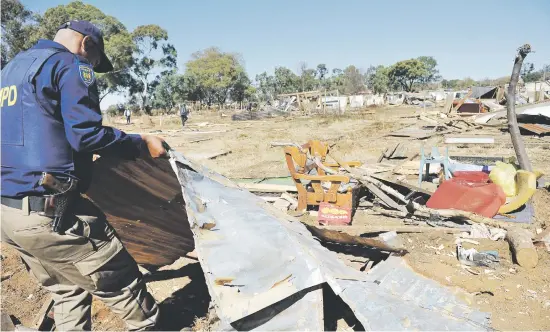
(484, 92)
(537, 128)
(264, 269)
(142, 199)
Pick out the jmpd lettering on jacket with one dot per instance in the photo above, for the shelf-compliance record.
(8, 93)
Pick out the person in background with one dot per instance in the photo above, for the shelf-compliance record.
(184, 114)
(127, 114)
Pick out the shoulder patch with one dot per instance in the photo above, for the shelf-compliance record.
(86, 74)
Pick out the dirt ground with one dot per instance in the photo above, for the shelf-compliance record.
(517, 298)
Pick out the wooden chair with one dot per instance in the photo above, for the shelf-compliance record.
(310, 187)
(321, 149)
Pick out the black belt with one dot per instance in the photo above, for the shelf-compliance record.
(35, 203)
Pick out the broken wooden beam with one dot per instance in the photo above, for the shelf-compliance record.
(344, 238)
(267, 188)
(355, 229)
(469, 140)
(521, 245)
(201, 140)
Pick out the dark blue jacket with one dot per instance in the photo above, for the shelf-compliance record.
(51, 120)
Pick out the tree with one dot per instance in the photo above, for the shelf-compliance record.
(377, 79)
(241, 89)
(265, 86)
(286, 81)
(408, 72)
(16, 27)
(528, 73)
(216, 74)
(119, 45)
(153, 53)
(171, 90)
(321, 71)
(432, 74)
(336, 80)
(308, 81)
(353, 80)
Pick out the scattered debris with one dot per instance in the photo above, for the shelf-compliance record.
(281, 204)
(481, 231)
(420, 132)
(472, 257)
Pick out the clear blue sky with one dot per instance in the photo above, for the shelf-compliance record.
(476, 38)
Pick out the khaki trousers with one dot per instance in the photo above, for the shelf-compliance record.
(88, 260)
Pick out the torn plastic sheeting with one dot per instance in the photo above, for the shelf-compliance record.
(257, 262)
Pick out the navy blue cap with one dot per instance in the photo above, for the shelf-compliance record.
(88, 29)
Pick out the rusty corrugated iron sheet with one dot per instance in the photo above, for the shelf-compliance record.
(142, 200)
(537, 128)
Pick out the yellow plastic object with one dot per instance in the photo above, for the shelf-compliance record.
(526, 187)
(505, 176)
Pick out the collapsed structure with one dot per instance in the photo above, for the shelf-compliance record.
(476, 99)
(263, 268)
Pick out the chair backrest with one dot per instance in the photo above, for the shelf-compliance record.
(318, 148)
(295, 160)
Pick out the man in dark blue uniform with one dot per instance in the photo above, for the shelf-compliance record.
(51, 125)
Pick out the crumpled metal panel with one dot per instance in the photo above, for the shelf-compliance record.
(264, 269)
(397, 298)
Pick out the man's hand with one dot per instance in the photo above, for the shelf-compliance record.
(155, 146)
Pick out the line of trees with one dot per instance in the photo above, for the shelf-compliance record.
(145, 65)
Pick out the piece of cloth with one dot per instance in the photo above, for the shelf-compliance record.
(51, 120)
(88, 260)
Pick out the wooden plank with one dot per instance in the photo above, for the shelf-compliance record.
(344, 238)
(385, 198)
(290, 199)
(200, 140)
(425, 118)
(267, 188)
(469, 140)
(360, 229)
(448, 103)
(382, 155)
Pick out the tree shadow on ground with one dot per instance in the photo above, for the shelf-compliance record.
(180, 310)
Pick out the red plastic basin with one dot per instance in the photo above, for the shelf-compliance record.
(482, 198)
(472, 176)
